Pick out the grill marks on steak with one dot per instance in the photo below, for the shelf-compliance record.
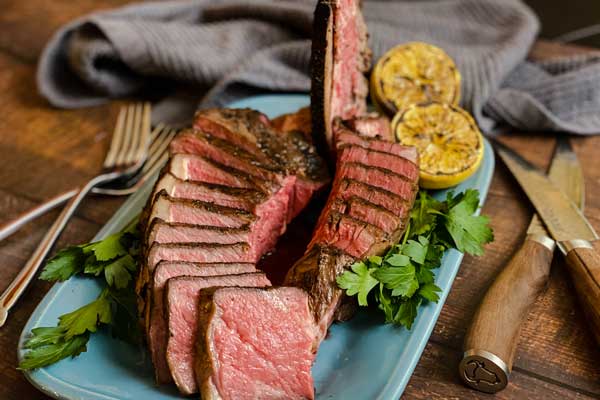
(340, 57)
(255, 344)
(231, 186)
(182, 309)
(157, 322)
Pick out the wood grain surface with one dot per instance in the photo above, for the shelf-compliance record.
(44, 151)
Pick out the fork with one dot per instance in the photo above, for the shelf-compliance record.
(127, 153)
(160, 138)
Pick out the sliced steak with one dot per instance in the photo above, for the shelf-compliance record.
(182, 296)
(198, 253)
(225, 153)
(343, 136)
(156, 319)
(316, 273)
(255, 344)
(372, 125)
(196, 212)
(348, 188)
(374, 158)
(339, 59)
(165, 232)
(244, 199)
(352, 236)
(379, 177)
(365, 211)
(197, 168)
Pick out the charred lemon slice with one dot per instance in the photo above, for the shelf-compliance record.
(447, 138)
(414, 73)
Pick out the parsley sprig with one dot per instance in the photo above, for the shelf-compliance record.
(114, 258)
(403, 278)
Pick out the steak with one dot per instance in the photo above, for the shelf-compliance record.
(367, 211)
(340, 57)
(300, 121)
(231, 186)
(157, 326)
(182, 309)
(255, 343)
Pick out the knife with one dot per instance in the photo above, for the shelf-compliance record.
(492, 338)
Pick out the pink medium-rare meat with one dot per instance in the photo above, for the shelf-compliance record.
(340, 57)
(255, 344)
(157, 326)
(197, 168)
(169, 209)
(348, 188)
(182, 309)
(199, 253)
(374, 158)
(379, 177)
(164, 232)
(241, 198)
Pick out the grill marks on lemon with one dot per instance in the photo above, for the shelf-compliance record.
(414, 73)
(447, 138)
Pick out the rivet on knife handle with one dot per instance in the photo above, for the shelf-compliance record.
(492, 338)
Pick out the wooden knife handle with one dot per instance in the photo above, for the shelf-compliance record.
(583, 262)
(492, 338)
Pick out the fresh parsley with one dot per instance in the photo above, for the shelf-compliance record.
(114, 258)
(402, 279)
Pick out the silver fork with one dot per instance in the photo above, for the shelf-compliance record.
(127, 153)
(160, 138)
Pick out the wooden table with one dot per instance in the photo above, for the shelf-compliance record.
(44, 151)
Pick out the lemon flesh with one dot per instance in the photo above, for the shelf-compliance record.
(414, 73)
(447, 138)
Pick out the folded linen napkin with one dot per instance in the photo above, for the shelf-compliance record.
(239, 48)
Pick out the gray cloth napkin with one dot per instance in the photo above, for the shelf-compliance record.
(240, 48)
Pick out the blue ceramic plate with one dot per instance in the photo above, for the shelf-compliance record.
(361, 359)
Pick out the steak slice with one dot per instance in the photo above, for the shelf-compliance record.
(370, 213)
(198, 253)
(197, 168)
(196, 212)
(316, 272)
(381, 178)
(299, 121)
(255, 344)
(156, 318)
(244, 199)
(182, 296)
(345, 136)
(352, 236)
(164, 232)
(225, 153)
(339, 59)
(374, 158)
(348, 188)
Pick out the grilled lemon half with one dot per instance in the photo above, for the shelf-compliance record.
(414, 73)
(447, 138)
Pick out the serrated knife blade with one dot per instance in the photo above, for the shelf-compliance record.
(560, 215)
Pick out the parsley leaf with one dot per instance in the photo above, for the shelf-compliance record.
(357, 282)
(41, 356)
(468, 231)
(118, 272)
(405, 274)
(63, 265)
(86, 318)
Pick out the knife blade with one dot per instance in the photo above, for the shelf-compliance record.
(560, 215)
(492, 337)
(568, 227)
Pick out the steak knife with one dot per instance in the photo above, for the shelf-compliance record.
(493, 335)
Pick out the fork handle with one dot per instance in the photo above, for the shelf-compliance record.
(22, 280)
(11, 227)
